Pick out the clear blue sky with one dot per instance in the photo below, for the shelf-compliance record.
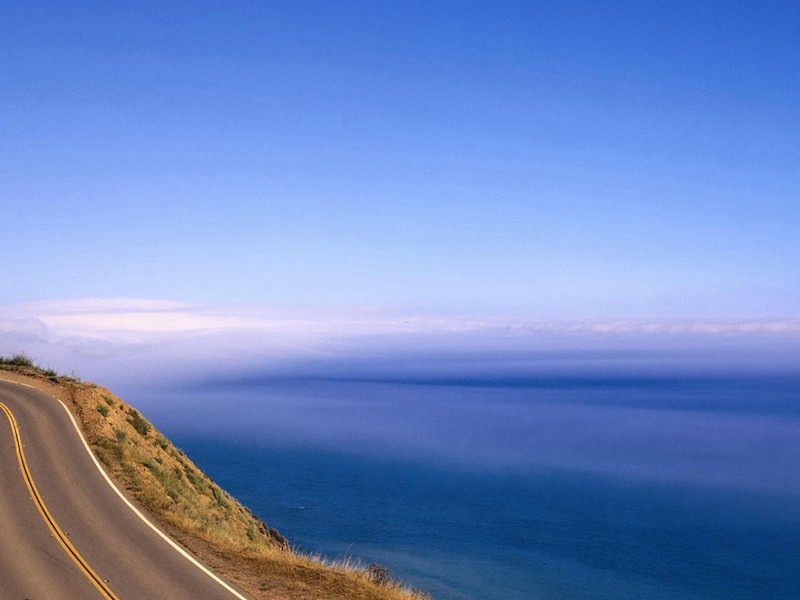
(555, 159)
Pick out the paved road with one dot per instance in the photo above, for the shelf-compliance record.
(117, 545)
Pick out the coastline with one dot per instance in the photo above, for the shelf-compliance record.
(159, 480)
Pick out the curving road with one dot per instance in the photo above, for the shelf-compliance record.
(129, 560)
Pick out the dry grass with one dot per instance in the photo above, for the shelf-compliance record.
(223, 533)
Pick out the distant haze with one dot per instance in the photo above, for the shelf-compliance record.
(124, 340)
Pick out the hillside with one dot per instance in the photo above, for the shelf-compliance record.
(163, 482)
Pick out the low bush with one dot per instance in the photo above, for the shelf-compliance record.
(17, 360)
(139, 423)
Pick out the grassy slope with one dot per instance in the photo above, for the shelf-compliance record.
(163, 481)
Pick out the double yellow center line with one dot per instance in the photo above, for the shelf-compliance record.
(54, 528)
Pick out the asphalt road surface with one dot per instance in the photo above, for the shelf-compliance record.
(122, 557)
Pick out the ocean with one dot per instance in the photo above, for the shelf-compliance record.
(516, 487)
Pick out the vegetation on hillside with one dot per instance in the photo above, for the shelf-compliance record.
(195, 510)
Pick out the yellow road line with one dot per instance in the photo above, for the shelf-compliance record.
(93, 577)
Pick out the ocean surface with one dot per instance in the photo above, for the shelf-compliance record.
(517, 488)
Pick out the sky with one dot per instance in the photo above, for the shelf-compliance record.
(523, 160)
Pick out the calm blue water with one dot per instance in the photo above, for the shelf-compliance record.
(512, 488)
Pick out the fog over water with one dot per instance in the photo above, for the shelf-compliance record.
(558, 477)
(741, 433)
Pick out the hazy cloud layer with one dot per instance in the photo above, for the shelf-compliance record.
(112, 337)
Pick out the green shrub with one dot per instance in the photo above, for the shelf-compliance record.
(148, 462)
(220, 498)
(17, 360)
(139, 423)
(103, 410)
(133, 476)
(196, 480)
(109, 400)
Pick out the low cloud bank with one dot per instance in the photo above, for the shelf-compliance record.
(116, 340)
